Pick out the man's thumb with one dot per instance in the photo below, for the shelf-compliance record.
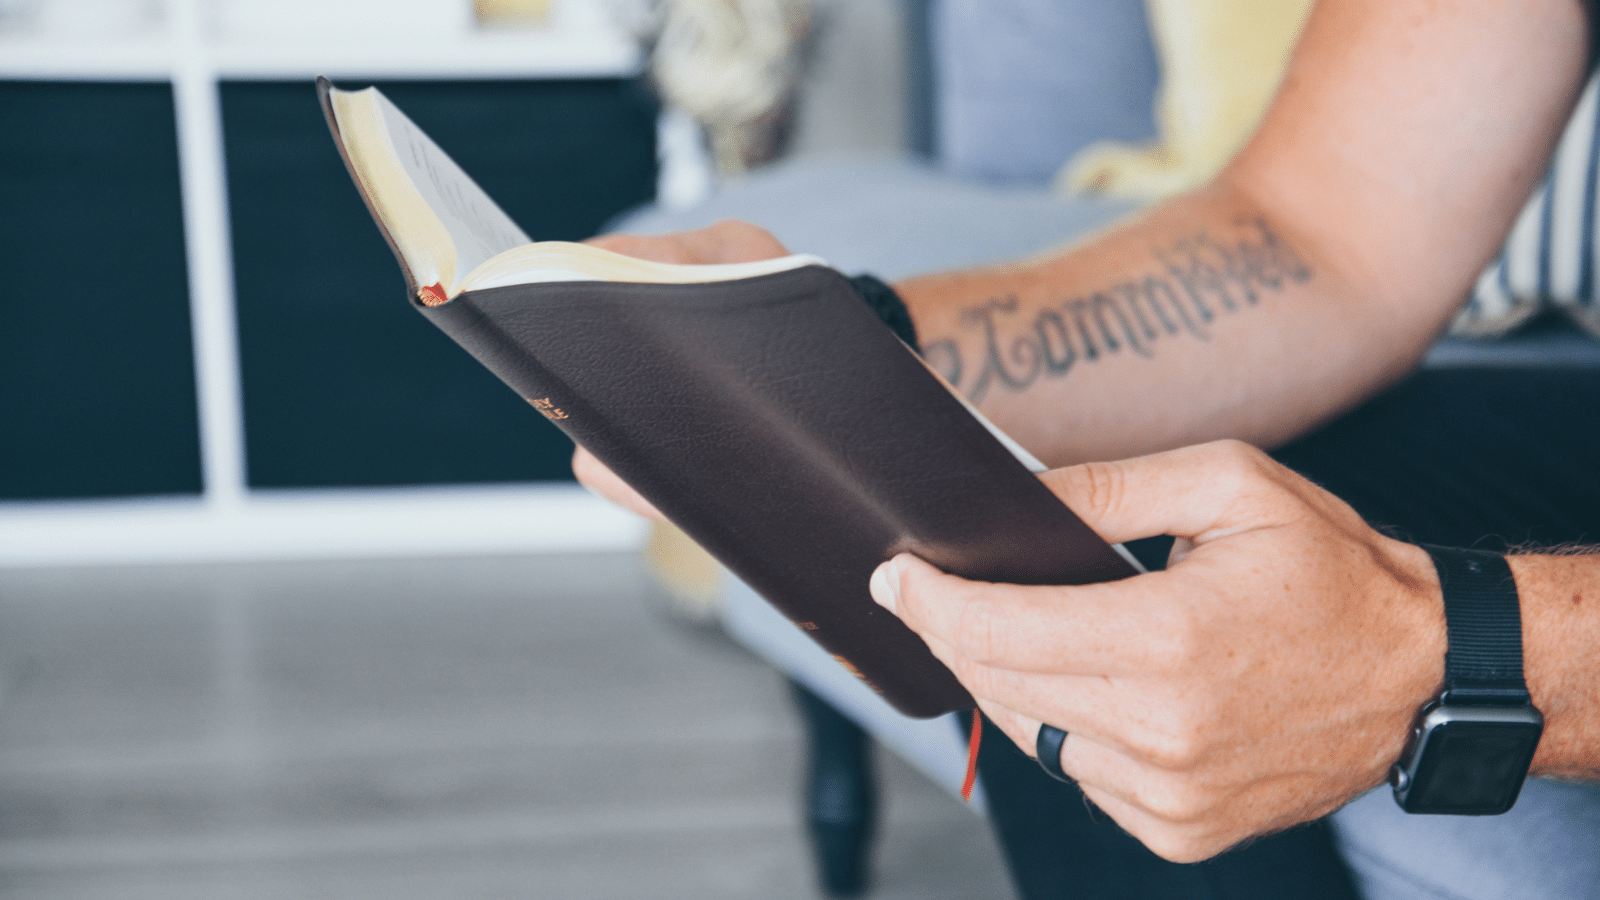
(1185, 493)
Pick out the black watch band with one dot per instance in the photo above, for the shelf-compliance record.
(882, 299)
(1483, 619)
(1471, 748)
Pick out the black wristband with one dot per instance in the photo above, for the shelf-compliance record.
(1483, 619)
(882, 299)
(1471, 749)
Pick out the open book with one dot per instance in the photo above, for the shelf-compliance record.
(761, 407)
(452, 238)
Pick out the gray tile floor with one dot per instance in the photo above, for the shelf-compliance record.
(452, 728)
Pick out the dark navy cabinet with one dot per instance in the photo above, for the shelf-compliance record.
(342, 384)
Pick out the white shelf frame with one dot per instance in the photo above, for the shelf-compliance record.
(229, 521)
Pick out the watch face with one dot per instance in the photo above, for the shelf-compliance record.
(1472, 767)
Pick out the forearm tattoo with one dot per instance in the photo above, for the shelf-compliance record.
(1193, 281)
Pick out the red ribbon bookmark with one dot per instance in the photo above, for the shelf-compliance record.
(972, 756)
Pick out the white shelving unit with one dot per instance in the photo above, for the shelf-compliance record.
(193, 44)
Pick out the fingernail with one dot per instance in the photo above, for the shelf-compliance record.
(885, 585)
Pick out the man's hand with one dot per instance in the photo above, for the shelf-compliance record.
(1269, 675)
(728, 241)
(593, 474)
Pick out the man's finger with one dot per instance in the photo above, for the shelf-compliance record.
(1125, 628)
(1148, 803)
(727, 241)
(1163, 793)
(1021, 729)
(594, 475)
(1174, 843)
(732, 241)
(665, 249)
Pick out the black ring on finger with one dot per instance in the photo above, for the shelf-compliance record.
(1048, 748)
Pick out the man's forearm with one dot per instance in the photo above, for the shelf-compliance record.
(1208, 318)
(1316, 269)
(1560, 596)
(1179, 295)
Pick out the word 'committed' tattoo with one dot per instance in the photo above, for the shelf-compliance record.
(1199, 279)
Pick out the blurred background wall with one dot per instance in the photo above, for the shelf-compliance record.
(207, 352)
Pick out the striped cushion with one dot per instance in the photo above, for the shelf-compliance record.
(1549, 258)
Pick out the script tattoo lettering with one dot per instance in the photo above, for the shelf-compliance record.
(1198, 279)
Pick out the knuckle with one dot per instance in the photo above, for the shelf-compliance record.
(1172, 650)
(1178, 802)
(1101, 486)
(1236, 467)
(1179, 845)
(1232, 471)
(1251, 473)
(980, 680)
(1240, 452)
(979, 636)
(1172, 749)
(741, 233)
(1177, 744)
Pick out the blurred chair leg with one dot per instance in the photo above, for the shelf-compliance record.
(841, 798)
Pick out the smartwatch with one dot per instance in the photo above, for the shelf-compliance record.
(1471, 748)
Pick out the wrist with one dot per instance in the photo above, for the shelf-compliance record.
(1426, 633)
(1561, 644)
(887, 304)
(1422, 641)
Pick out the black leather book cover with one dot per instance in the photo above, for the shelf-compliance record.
(783, 427)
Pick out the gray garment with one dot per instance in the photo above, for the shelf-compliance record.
(892, 216)
(1545, 848)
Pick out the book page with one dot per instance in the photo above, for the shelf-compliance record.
(549, 261)
(479, 228)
